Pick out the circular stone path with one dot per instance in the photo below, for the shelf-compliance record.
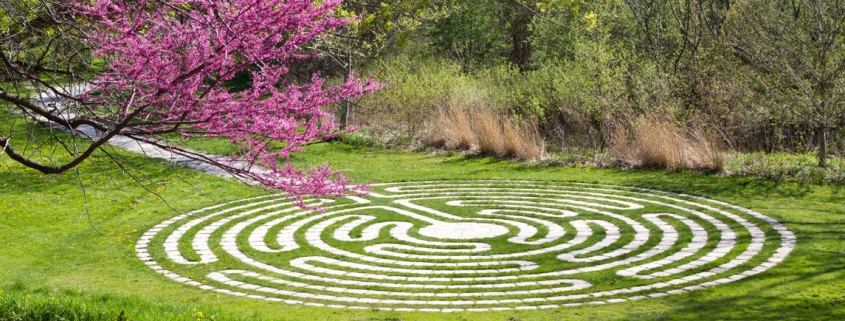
(467, 246)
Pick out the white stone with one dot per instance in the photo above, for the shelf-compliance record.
(453, 259)
(463, 231)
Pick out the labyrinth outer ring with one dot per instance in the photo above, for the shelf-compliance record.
(699, 267)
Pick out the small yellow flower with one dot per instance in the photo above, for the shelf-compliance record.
(590, 18)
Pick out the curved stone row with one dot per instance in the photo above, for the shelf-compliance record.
(467, 246)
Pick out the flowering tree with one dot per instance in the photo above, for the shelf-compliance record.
(161, 67)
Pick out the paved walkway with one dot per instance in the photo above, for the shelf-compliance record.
(55, 104)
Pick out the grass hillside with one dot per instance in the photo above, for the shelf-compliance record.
(61, 262)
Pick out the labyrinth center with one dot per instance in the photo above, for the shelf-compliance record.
(467, 246)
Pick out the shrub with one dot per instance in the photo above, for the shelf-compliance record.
(418, 86)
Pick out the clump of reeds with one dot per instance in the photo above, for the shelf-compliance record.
(656, 142)
(461, 126)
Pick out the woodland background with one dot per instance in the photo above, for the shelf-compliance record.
(664, 83)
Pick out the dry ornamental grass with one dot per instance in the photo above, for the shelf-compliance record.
(661, 143)
(461, 127)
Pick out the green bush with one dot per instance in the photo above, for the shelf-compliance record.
(417, 85)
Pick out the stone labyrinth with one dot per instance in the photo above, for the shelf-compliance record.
(467, 246)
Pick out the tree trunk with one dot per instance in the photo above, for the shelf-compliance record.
(344, 114)
(520, 32)
(823, 146)
(344, 105)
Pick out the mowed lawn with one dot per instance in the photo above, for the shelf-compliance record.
(58, 260)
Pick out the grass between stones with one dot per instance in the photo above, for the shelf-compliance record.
(56, 264)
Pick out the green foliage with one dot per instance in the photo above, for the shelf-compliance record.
(555, 32)
(360, 138)
(586, 92)
(594, 66)
(796, 167)
(36, 42)
(377, 27)
(418, 85)
(471, 32)
(797, 53)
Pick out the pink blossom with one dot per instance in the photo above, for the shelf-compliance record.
(168, 60)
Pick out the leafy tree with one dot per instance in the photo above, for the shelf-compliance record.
(159, 67)
(797, 50)
(470, 32)
(483, 33)
(384, 25)
(556, 28)
(376, 27)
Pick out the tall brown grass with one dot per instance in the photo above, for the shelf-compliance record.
(451, 130)
(488, 131)
(657, 142)
(480, 128)
(522, 142)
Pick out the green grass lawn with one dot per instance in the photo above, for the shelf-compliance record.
(60, 262)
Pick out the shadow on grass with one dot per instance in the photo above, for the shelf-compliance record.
(467, 158)
(710, 185)
(806, 286)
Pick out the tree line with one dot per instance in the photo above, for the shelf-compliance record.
(757, 75)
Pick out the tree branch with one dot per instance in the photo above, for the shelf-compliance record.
(69, 124)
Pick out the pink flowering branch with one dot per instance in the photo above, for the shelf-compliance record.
(166, 63)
